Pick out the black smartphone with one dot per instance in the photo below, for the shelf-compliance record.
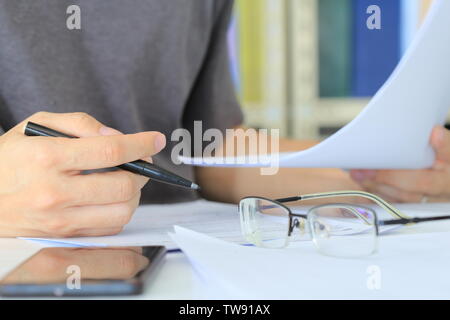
(100, 271)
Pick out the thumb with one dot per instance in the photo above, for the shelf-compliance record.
(440, 140)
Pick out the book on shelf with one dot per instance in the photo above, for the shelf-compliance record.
(335, 47)
(376, 52)
(261, 49)
(307, 64)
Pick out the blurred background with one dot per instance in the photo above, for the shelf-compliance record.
(308, 67)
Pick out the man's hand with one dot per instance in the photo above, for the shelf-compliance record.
(43, 191)
(413, 185)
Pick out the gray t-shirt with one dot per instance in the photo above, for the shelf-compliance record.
(134, 65)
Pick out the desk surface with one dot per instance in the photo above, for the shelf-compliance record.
(177, 278)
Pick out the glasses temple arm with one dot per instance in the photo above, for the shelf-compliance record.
(412, 220)
(385, 205)
(290, 199)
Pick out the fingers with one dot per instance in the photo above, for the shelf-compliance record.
(412, 185)
(77, 124)
(104, 188)
(440, 140)
(430, 182)
(391, 194)
(96, 220)
(109, 151)
(97, 232)
(50, 198)
(99, 146)
(135, 249)
(419, 181)
(406, 185)
(81, 221)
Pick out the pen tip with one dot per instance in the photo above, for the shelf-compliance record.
(195, 186)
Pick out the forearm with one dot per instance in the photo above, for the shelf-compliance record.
(232, 184)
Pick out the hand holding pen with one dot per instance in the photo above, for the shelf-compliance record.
(42, 191)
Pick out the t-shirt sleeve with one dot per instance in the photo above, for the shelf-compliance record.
(213, 98)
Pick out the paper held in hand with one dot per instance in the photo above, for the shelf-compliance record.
(393, 131)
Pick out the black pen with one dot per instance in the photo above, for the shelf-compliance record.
(139, 167)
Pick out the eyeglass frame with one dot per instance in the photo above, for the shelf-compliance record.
(402, 219)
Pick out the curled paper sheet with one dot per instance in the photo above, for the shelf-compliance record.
(393, 130)
(243, 272)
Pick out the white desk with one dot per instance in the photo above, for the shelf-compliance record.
(177, 279)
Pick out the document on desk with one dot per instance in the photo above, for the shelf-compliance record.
(406, 267)
(393, 130)
(150, 225)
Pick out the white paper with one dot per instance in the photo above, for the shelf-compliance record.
(151, 223)
(13, 252)
(393, 131)
(406, 267)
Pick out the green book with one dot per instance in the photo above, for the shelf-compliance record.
(335, 28)
(251, 43)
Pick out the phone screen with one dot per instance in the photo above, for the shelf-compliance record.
(101, 271)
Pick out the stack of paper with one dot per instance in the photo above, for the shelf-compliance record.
(407, 267)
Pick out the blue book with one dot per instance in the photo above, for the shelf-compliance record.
(335, 26)
(375, 52)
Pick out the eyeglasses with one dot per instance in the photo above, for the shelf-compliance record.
(337, 229)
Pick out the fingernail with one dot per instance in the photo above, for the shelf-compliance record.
(160, 142)
(107, 131)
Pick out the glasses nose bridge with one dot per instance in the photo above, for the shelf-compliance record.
(297, 222)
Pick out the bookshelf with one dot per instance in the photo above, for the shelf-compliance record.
(282, 47)
(261, 45)
(309, 112)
